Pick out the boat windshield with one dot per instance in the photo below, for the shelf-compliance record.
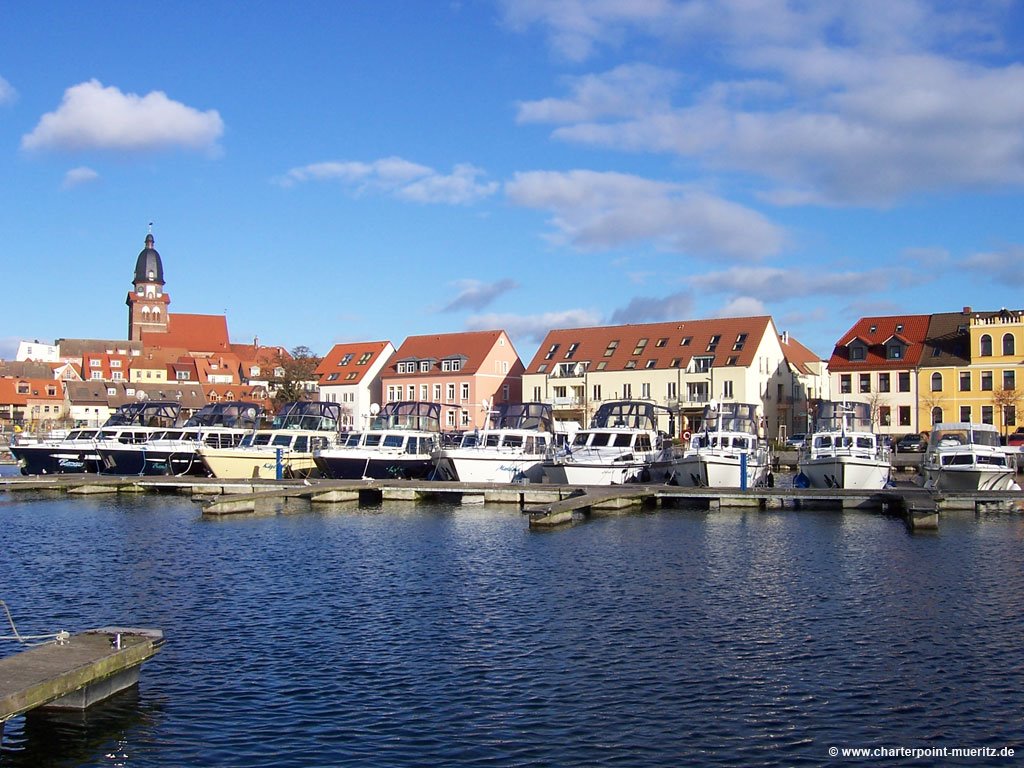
(634, 414)
(146, 413)
(534, 416)
(963, 433)
(842, 417)
(316, 415)
(731, 417)
(409, 414)
(236, 414)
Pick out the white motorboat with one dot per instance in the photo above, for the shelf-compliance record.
(510, 449)
(843, 451)
(729, 451)
(285, 449)
(400, 444)
(963, 456)
(175, 451)
(624, 444)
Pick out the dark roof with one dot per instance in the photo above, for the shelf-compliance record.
(148, 267)
(948, 341)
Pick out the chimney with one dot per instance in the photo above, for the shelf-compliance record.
(967, 310)
(785, 337)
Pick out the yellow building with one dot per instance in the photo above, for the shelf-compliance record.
(968, 369)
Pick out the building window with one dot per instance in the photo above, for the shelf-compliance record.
(610, 349)
(727, 390)
(986, 414)
(645, 391)
(465, 418)
(437, 393)
(986, 346)
(597, 392)
(551, 352)
(1010, 416)
(424, 366)
(936, 382)
(965, 381)
(651, 363)
(713, 344)
(904, 415)
(986, 381)
(857, 352)
(885, 415)
(117, 376)
(630, 365)
(364, 358)
(895, 351)
(702, 364)
(1008, 344)
(96, 375)
(670, 391)
(936, 416)
(639, 348)
(904, 381)
(451, 393)
(685, 341)
(115, 363)
(465, 392)
(536, 394)
(571, 350)
(661, 342)
(627, 391)
(883, 382)
(865, 382)
(1009, 380)
(424, 391)
(845, 384)
(965, 413)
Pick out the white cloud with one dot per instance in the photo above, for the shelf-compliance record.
(647, 309)
(92, 116)
(7, 92)
(1005, 267)
(593, 210)
(400, 178)
(743, 306)
(764, 284)
(835, 103)
(534, 327)
(78, 176)
(9, 347)
(474, 294)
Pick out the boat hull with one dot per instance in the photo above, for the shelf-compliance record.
(847, 472)
(466, 467)
(579, 473)
(242, 464)
(969, 478)
(381, 467)
(151, 462)
(39, 459)
(715, 471)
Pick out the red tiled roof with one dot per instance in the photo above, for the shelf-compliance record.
(874, 332)
(668, 345)
(474, 346)
(336, 362)
(797, 355)
(196, 333)
(9, 394)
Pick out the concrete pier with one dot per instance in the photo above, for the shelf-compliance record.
(77, 672)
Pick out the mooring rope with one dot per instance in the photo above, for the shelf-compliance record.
(60, 637)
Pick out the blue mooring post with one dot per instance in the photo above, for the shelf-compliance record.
(279, 469)
(743, 471)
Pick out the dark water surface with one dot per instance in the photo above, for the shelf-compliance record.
(435, 635)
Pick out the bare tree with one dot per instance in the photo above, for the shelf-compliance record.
(1004, 399)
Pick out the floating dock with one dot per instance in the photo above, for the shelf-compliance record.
(75, 671)
(547, 504)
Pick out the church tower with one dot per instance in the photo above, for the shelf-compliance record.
(147, 302)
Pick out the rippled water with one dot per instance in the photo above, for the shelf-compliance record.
(436, 635)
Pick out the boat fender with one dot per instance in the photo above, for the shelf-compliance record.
(801, 481)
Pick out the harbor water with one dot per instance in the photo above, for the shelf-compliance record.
(433, 635)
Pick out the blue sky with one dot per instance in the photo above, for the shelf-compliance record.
(329, 172)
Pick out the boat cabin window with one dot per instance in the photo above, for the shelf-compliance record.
(957, 459)
(469, 440)
(597, 439)
(317, 443)
(301, 443)
(262, 438)
(372, 440)
(393, 441)
(825, 441)
(513, 441)
(643, 442)
(492, 441)
(283, 441)
(623, 441)
(740, 443)
(865, 442)
(352, 440)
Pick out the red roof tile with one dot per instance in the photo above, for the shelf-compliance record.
(196, 333)
(874, 332)
(473, 346)
(357, 357)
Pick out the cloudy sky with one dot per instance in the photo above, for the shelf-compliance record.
(325, 172)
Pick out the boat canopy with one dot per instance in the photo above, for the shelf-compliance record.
(632, 414)
(316, 415)
(730, 417)
(409, 414)
(951, 434)
(146, 413)
(230, 413)
(833, 416)
(535, 416)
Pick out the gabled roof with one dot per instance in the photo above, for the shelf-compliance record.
(948, 341)
(797, 355)
(78, 347)
(665, 345)
(472, 347)
(97, 392)
(344, 360)
(9, 394)
(196, 333)
(875, 332)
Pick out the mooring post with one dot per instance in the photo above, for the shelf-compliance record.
(279, 465)
(743, 471)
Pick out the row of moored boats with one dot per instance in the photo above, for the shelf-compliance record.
(521, 443)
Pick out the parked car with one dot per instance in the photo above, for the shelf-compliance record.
(912, 442)
(797, 441)
(1016, 439)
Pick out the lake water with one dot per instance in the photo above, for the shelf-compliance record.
(431, 635)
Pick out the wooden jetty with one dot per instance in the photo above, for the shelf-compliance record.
(75, 671)
(547, 505)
